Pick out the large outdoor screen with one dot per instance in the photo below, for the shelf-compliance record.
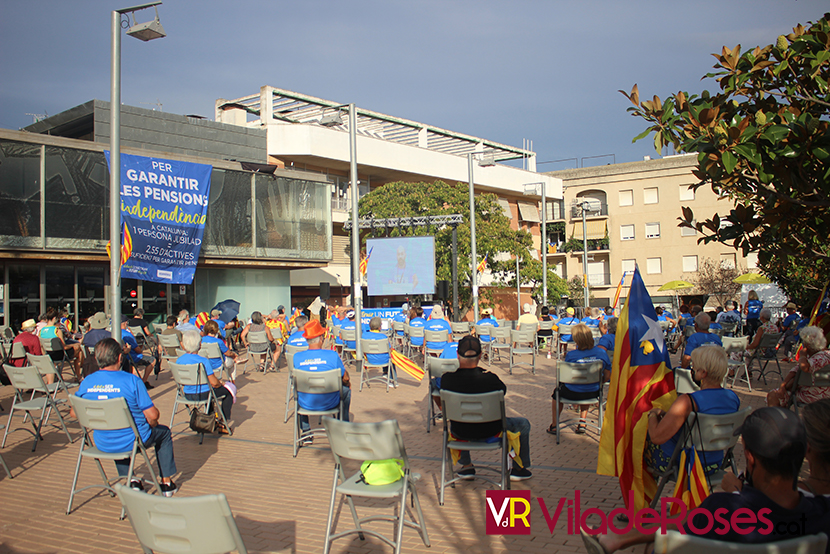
(401, 266)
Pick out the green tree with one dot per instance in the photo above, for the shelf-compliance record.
(714, 278)
(576, 291)
(762, 140)
(493, 232)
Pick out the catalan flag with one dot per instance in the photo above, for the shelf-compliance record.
(692, 487)
(619, 290)
(201, 319)
(406, 365)
(640, 380)
(294, 316)
(364, 263)
(482, 266)
(126, 245)
(820, 315)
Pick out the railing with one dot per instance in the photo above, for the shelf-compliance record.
(340, 204)
(599, 279)
(594, 208)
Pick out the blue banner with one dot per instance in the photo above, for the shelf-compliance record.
(164, 208)
(384, 313)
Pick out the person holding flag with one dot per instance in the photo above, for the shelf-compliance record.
(640, 380)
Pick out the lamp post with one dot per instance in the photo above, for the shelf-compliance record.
(585, 290)
(142, 31)
(473, 236)
(358, 292)
(544, 237)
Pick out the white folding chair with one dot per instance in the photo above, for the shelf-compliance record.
(460, 329)
(290, 350)
(211, 350)
(434, 336)
(568, 373)
(549, 339)
(683, 382)
(348, 335)
(45, 366)
(399, 334)
(673, 542)
(196, 525)
(499, 340)
(711, 433)
(820, 378)
(370, 442)
(3, 462)
(523, 343)
(54, 347)
(194, 375)
(436, 370)
(473, 408)
(413, 333)
(734, 344)
(169, 343)
(376, 346)
(768, 342)
(315, 382)
(483, 330)
(23, 380)
(259, 338)
(106, 415)
(563, 330)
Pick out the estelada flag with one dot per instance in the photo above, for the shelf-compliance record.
(640, 380)
(364, 263)
(692, 487)
(406, 365)
(126, 245)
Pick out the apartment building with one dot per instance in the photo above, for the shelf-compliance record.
(631, 218)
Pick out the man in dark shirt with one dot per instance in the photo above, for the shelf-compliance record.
(766, 506)
(471, 379)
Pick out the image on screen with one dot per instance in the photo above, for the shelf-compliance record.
(401, 266)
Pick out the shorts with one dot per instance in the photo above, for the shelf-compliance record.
(566, 394)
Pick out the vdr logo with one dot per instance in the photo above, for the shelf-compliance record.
(508, 512)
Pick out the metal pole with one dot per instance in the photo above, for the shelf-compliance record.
(544, 247)
(585, 290)
(474, 277)
(115, 179)
(455, 272)
(356, 285)
(518, 291)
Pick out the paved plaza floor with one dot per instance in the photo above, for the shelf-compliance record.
(280, 502)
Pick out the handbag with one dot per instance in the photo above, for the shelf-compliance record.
(200, 421)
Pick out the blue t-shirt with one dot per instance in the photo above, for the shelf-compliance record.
(789, 320)
(376, 359)
(567, 321)
(699, 339)
(318, 360)
(438, 325)
(450, 351)
(106, 384)
(128, 337)
(216, 363)
(753, 309)
(417, 322)
(608, 341)
(400, 318)
(297, 339)
(708, 401)
(584, 357)
(94, 336)
(487, 321)
(590, 322)
(348, 324)
(715, 325)
(668, 314)
(730, 316)
(190, 359)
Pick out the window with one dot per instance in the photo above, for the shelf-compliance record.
(650, 196)
(626, 232)
(686, 193)
(727, 260)
(629, 265)
(752, 260)
(654, 265)
(689, 264)
(688, 231)
(626, 198)
(652, 230)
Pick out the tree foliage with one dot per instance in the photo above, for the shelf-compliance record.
(493, 232)
(714, 278)
(762, 140)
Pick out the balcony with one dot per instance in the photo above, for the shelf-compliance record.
(594, 209)
(599, 279)
(575, 246)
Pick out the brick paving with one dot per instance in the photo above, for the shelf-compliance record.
(280, 502)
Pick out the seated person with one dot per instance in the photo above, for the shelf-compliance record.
(664, 428)
(437, 313)
(139, 321)
(438, 323)
(527, 318)
(700, 337)
(713, 324)
(191, 343)
(487, 319)
(817, 358)
(318, 359)
(764, 327)
(416, 319)
(471, 379)
(591, 320)
(139, 358)
(569, 319)
(586, 353)
(110, 382)
(98, 324)
(264, 349)
(450, 351)
(790, 328)
(373, 333)
(662, 316)
(774, 446)
(545, 335)
(184, 323)
(348, 324)
(72, 351)
(400, 317)
(608, 340)
(296, 338)
(730, 315)
(31, 345)
(226, 357)
(171, 330)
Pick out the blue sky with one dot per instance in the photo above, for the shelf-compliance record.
(547, 71)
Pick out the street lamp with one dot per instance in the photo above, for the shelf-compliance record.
(142, 31)
(544, 238)
(487, 161)
(585, 206)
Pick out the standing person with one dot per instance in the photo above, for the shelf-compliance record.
(317, 359)
(752, 311)
(110, 382)
(192, 342)
(469, 378)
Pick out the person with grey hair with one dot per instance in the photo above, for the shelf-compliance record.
(374, 333)
(296, 338)
(766, 326)
(192, 342)
(817, 358)
(184, 322)
(608, 340)
(257, 324)
(700, 337)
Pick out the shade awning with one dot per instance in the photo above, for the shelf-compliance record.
(596, 229)
(528, 212)
(505, 205)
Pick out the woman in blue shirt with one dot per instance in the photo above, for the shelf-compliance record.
(752, 310)
(192, 342)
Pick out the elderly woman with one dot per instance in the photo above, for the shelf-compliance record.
(586, 353)
(817, 358)
(192, 342)
(262, 349)
(766, 326)
(709, 366)
(607, 341)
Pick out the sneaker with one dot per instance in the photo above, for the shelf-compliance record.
(466, 473)
(137, 484)
(520, 474)
(169, 489)
(148, 386)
